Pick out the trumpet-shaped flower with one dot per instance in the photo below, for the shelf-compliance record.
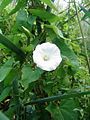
(47, 56)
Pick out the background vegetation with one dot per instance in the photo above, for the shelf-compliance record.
(29, 93)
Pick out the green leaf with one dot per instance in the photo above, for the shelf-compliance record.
(20, 4)
(21, 16)
(50, 4)
(4, 4)
(87, 12)
(5, 69)
(11, 46)
(58, 39)
(24, 22)
(9, 78)
(4, 93)
(29, 75)
(66, 51)
(44, 15)
(55, 29)
(27, 32)
(11, 110)
(64, 111)
(3, 117)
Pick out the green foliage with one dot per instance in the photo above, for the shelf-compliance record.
(11, 46)
(26, 91)
(6, 68)
(47, 16)
(50, 4)
(67, 52)
(62, 111)
(20, 4)
(4, 93)
(3, 117)
(4, 4)
(29, 75)
(87, 12)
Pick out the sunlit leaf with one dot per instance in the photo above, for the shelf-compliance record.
(4, 4)
(20, 4)
(44, 15)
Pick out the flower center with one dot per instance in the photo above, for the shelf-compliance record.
(46, 58)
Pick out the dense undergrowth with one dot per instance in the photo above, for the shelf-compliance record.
(28, 92)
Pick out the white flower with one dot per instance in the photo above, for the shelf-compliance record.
(47, 56)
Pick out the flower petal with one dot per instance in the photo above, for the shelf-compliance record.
(49, 50)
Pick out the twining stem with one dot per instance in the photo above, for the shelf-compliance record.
(83, 39)
(58, 97)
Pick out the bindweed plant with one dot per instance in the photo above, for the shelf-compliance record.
(44, 61)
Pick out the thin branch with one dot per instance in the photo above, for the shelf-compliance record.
(87, 22)
(84, 42)
(75, 14)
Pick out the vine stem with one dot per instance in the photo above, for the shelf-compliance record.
(83, 40)
(56, 98)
